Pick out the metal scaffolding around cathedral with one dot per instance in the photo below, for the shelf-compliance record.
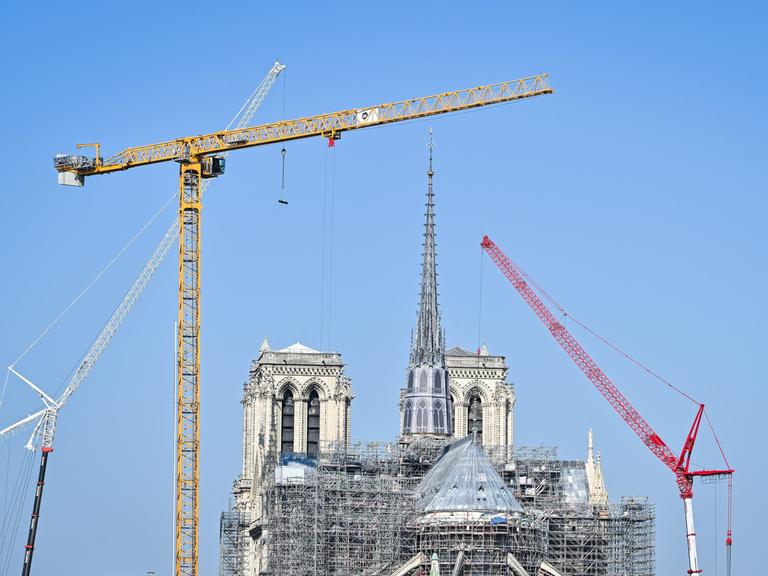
(450, 493)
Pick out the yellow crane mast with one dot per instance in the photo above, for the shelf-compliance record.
(200, 157)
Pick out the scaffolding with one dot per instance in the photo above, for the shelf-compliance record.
(351, 510)
(330, 521)
(583, 539)
(480, 547)
(231, 544)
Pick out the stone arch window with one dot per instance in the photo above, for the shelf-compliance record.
(438, 416)
(475, 417)
(410, 381)
(422, 416)
(438, 383)
(408, 419)
(286, 423)
(313, 423)
(421, 377)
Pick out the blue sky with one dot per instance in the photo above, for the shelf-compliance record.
(634, 194)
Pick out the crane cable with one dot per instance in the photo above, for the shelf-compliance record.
(480, 305)
(331, 241)
(322, 251)
(626, 355)
(604, 340)
(283, 151)
(613, 346)
(282, 199)
(12, 513)
(95, 279)
(326, 259)
(5, 386)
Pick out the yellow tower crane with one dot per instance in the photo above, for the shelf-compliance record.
(200, 157)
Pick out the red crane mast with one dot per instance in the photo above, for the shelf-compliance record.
(679, 465)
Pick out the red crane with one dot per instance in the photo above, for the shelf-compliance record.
(680, 465)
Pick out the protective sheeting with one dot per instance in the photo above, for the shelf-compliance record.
(464, 479)
(575, 485)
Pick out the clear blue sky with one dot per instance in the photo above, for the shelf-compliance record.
(635, 194)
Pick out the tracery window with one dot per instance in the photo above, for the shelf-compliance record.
(438, 385)
(475, 418)
(438, 416)
(422, 416)
(421, 378)
(286, 423)
(408, 418)
(313, 423)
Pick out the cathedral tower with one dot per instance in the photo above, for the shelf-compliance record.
(426, 402)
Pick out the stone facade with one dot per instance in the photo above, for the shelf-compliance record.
(483, 401)
(307, 379)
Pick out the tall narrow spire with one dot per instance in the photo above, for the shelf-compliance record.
(428, 347)
(598, 495)
(426, 401)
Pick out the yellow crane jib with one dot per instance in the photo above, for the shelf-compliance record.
(73, 168)
(202, 157)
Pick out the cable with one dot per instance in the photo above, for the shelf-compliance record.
(285, 90)
(480, 304)
(322, 258)
(5, 385)
(5, 490)
(282, 199)
(604, 340)
(717, 440)
(330, 259)
(11, 521)
(96, 278)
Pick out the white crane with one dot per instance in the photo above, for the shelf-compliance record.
(45, 418)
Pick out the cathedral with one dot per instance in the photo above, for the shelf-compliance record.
(452, 492)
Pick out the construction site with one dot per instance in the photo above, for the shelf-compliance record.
(451, 493)
(356, 510)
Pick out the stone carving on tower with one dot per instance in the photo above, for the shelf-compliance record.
(425, 400)
(295, 401)
(483, 401)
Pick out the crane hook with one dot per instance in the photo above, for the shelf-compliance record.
(282, 199)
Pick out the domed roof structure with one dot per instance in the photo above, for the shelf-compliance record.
(464, 480)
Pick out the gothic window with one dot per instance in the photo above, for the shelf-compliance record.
(422, 417)
(438, 416)
(421, 376)
(438, 381)
(410, 382)
(475, 418)
(286, 423)
(313, 424)
(408, 416)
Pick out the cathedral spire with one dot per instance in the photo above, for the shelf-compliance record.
(598, 495)
(427, 347)
(426, 400)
